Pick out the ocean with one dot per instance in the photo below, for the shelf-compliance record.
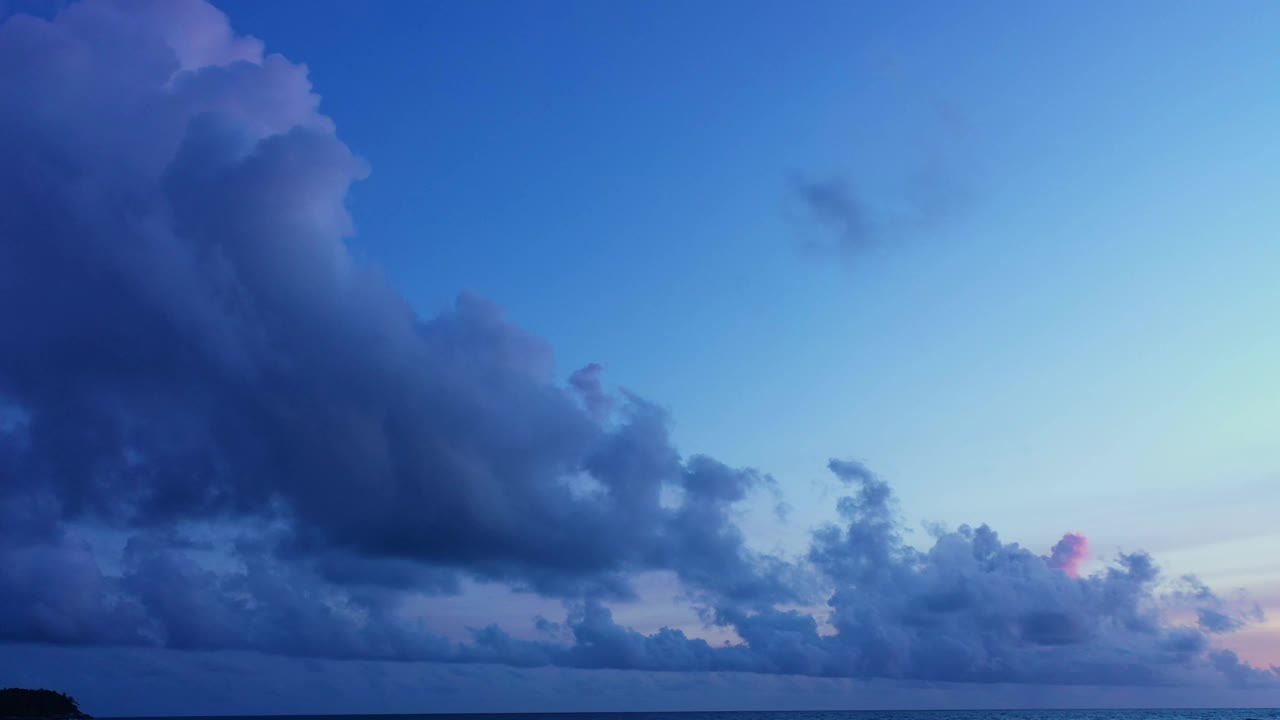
(1165, 714)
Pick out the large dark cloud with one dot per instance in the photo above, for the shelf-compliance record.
(194, 368)
(186, 338)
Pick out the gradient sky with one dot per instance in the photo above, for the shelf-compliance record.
(1077, 342)
(1018, 259)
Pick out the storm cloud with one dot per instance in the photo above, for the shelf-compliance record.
(186, 338)
(193, 369)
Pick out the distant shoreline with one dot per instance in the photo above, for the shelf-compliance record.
(39, 704)
(67, 716)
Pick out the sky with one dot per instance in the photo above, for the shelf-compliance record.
(410, 357)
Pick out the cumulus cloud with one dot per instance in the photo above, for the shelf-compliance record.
(186, 337)
(1069, 553)
(127, 682)
(191, 363)
(587, 382)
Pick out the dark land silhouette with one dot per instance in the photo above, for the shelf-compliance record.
(25, 703)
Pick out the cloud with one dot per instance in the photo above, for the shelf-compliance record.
(849, 221)
(849, 217)
(1069, 553)
(839, 210)
(218, 431)
(129, 682)
(586, 382)
(187, 339)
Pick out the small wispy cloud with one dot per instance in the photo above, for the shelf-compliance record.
(847, 217)
(845, 220)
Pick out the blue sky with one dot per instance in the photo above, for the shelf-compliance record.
(1078, 342)
(1041, 299)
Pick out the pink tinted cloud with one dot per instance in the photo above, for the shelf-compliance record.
(1069, 553)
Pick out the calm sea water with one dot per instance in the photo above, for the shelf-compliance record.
(1197, 714)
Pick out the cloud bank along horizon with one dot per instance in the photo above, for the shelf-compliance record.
(193, 365)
